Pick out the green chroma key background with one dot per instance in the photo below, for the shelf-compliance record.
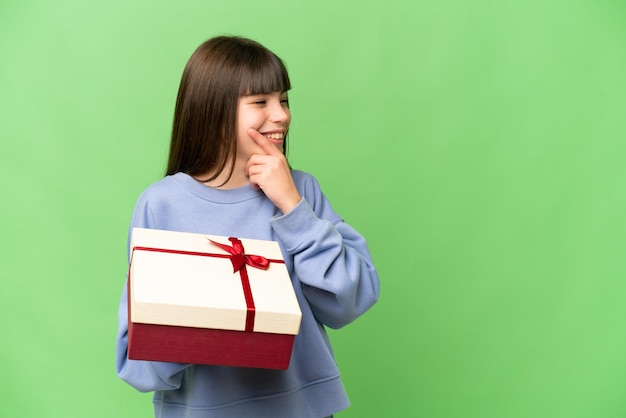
(478, 146)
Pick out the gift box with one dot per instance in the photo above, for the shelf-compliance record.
(205, 299)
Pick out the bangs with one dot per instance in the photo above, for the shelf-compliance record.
(264, 73)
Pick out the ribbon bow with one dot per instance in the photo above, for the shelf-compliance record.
(239, 259)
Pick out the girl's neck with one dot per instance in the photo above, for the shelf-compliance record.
(222, 182)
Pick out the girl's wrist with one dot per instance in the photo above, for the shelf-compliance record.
(290, 203)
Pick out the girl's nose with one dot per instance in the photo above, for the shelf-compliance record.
(280, 112)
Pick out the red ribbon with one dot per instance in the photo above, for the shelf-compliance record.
(239, 259)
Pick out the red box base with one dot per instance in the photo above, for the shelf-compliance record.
(209, 346)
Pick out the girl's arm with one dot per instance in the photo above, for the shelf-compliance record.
(331, 260)
(145, 376)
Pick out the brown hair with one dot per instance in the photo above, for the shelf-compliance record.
(218, 73)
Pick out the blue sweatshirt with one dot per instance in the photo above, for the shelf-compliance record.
(333, 277)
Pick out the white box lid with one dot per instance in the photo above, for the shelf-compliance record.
(202, 291)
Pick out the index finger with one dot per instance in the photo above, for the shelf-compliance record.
(268, 146)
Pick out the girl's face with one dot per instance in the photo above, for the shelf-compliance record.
(267, 113)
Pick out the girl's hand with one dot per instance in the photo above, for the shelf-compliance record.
(270, 172)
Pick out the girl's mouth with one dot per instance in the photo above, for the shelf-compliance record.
(275, 135)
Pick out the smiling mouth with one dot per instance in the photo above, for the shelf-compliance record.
(275, 135)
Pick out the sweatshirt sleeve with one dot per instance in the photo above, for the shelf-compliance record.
(145, 376)
(331, 260)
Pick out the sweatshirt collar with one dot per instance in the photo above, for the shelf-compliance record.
(192, 185)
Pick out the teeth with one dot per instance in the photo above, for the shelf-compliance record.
(278, 135)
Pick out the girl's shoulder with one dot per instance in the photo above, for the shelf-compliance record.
(306, 184)
(309, 187)
(302, 178)
(173, 189)
(160, 188)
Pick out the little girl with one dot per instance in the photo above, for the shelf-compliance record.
(227, 174)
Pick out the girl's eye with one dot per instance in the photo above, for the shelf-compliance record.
(259, 102)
